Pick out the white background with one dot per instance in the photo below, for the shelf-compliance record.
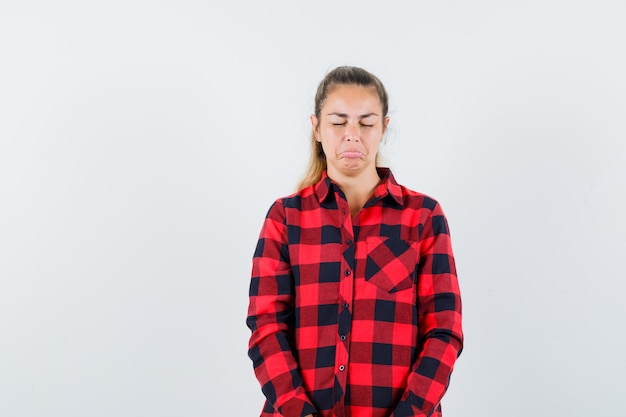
(142, 142)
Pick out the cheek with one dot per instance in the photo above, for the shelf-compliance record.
(374, 137)
(326, 145)
(329, 136)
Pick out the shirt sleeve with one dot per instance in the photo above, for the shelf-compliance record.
(439, 320)
(271, 320)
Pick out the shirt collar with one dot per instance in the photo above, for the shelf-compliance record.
(387, 187)
(323, 187)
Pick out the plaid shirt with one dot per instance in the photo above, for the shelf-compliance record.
(355, 317)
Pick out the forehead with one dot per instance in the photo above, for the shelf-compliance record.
(352, 97)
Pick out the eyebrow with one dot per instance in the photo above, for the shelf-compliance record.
(363, 116)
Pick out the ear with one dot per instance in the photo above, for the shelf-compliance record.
(315, 125)
(385, 124)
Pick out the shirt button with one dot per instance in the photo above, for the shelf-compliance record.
(342, 368)
(349, 242)
(342, 337)
(345, 305)
(348, 272)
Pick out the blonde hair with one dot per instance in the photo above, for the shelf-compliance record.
(339, 76)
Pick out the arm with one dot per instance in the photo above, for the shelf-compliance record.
(270, 317)
(439, 320)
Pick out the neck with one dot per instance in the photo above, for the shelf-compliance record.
(357, 188)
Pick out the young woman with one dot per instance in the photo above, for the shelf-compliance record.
(355, 307)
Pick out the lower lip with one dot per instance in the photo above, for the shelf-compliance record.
(351, 155)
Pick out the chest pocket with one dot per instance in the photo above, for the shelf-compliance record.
(390, 263)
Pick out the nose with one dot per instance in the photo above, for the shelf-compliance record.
(352, 133)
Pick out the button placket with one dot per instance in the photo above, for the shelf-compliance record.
(346, 288)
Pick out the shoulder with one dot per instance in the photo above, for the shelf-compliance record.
(419, 201)
(292, 201)
(427, 212)
(408, 198)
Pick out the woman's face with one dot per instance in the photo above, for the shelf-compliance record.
(350, 129)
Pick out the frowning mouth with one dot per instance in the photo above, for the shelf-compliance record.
(351, 154)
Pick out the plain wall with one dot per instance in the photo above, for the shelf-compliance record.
(142, 142)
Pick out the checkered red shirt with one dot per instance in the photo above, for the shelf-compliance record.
(354, 317)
